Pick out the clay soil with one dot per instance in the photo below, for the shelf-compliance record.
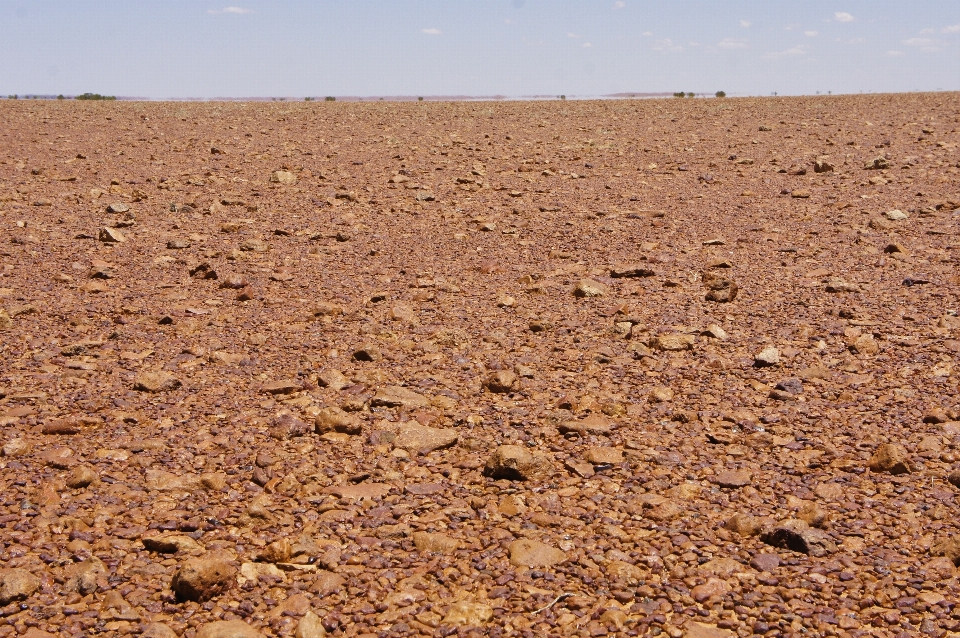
(635, 367)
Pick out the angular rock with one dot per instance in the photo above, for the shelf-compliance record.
(170, 543)
(228, 629)
(515, 463)
(310, 626)
(797, 536)
(283, 177)
(17, 584)
(719, 288)
(673, 342)
(155, 382)
(421, 438)
(470, 614)
(110, 235)
(589, 288)
(200, 579)
(437, 543)
(501, 381)
(398, 397)
(769, 356)
(333, 419)
(890, 457)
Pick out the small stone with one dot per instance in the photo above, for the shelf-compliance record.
(813, 515)
(200, 579)
(155, 382)
(865, 344)
(437, 543)
(5, 321)
(286, 426)
(283, 177)
(16, 447)
(111, 235)
(589, 288)
(890, 457)
(896, 215)
(878, 163)
(279, 551)
(596, 424)
(310, 626)
(501, 381)
(465, 613)
(765, 562)
(17, 584)
(792, 385)
(715, 331)
(949, 548)
(228, 629)
(769, 356)
(800, 194)
(822, 165)
(797, 536)
(178, 244)
(333, 419)
(117, 208)
(515, 463)
(530, 553)
(506, 301)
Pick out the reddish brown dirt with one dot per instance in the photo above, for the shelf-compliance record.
(726, 382)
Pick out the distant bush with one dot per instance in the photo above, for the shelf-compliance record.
(721, 94)
(12, 97)
(95, 96)
(563, 97)
(419, 99)
(60, 97)
(689, 94)
(681, 94)
(329, 98)
(308, 99)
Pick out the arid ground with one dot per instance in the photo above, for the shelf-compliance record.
(635, 367)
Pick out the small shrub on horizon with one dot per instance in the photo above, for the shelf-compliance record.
(721, 94)
(329, 98)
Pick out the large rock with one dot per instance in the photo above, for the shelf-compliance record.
(283, 177)
(589, 288)
(673, 342)
(593, 424)
(421, 438)
(228, 629)
(719, 288)
(158, 630)
(396, 397)
(794, 534)
(515, 463)
(17, 584)
(948, 547)
(501, 381)
(201, 579)
(530, 553)
(170, 543)
(700, 630)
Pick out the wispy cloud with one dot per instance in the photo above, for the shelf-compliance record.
(666, 44)
(789, 53)
(924, 44)
(573, 36)
(730, 43)
(955, 28)
(431, 31)
(230, 10)
(745, 24)
(842, 16)
(894, 54)
(619, 4)
(587, 45)
(811, 34)
(647, 33)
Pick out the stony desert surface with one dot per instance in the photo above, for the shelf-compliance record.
(681, 367)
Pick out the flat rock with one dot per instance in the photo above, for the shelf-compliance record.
(530, 553)
(421, 438)
(515, 463)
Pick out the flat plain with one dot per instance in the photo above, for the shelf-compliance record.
(679, 367)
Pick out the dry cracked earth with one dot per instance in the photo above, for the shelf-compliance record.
(681, 367)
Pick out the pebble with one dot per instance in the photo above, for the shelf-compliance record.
(515, 463)
(200, 579)
(530, 553)
(769, 356)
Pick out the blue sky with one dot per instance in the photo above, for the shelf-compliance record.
(250, 48)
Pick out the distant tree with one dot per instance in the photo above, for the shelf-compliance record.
(721, 94)
(308, 99)
(329, 98)
(563, 97)
(13, 97)
(94, 96)
(60, 97)
(419, 99)
(689, 94)
(681, 94)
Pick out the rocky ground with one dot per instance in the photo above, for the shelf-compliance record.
(682, 367)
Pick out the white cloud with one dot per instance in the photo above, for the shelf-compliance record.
(918, 42)
(811, 34)
(647, 33)
(894, 54)
(955, 28)
(927, 31)
(619, 4)
(842, 16)
(789, 53)
(573, 35)
(508, 21)
(730, 43)
(745, 24)
(232, 10)
(431, 31)
(587, 45)
(666, 44)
